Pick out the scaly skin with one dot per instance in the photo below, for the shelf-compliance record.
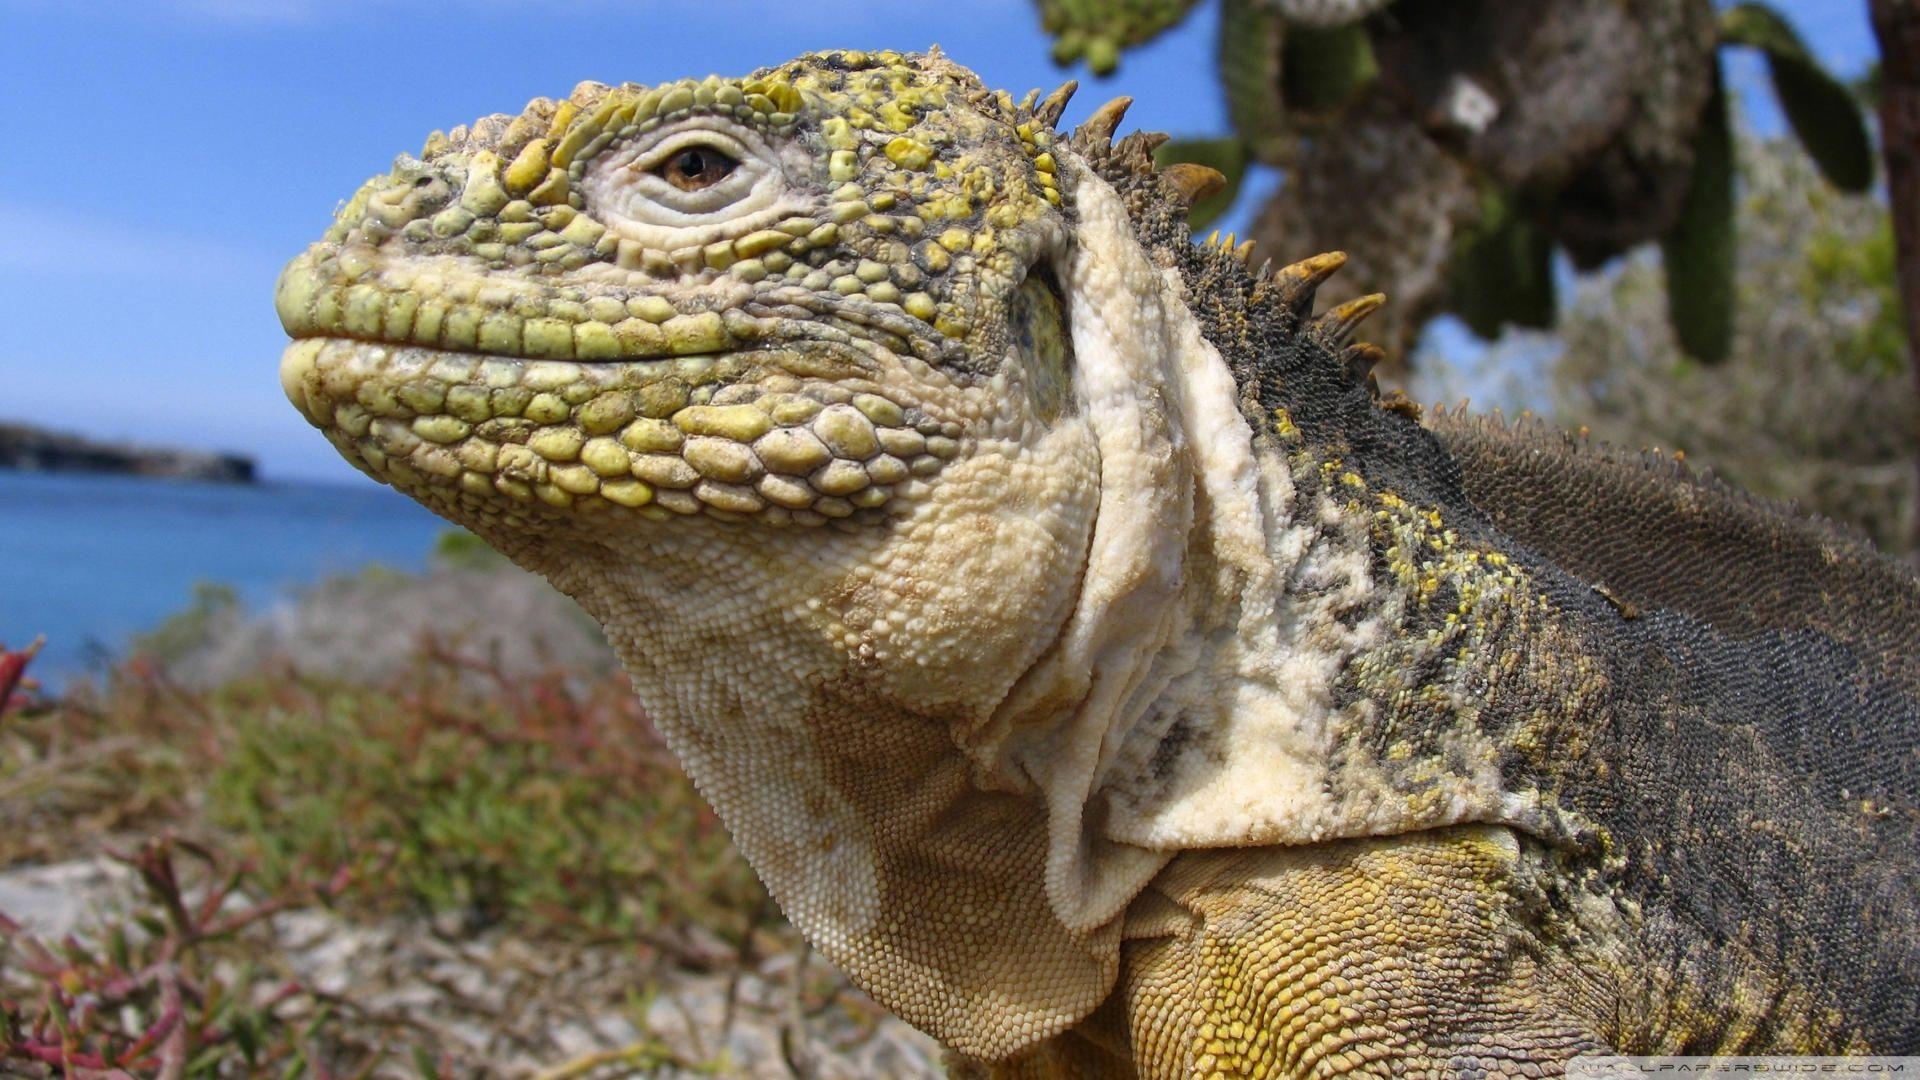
(1087, 661)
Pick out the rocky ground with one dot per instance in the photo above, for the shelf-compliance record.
(495, 1005)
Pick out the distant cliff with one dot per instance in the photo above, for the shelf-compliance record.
(24, 447)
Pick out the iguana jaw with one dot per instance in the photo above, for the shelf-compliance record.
(563, 445)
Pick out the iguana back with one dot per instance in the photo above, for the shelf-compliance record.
(1650, 533)
(1799, 647)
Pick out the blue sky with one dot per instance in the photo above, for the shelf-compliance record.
(165, 157)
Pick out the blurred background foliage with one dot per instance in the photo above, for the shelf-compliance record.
(1451, 146)
(1813, 404)
(1475, 158)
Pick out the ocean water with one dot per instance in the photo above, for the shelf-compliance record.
(89, 561)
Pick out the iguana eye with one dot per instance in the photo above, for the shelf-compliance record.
(696, 168)
(688, 184)
(698, 171)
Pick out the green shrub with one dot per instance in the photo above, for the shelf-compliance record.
(540, 802)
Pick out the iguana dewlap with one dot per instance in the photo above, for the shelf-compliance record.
(1088, 663)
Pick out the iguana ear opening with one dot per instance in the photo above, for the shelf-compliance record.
(1041, 334)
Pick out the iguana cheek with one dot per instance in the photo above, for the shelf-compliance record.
(1017, 516)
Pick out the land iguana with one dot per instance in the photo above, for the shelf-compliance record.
(1090, 662)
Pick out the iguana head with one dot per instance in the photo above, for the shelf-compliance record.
(776, 301)
(872, 424)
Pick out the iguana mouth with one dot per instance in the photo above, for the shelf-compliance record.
(731, 435)
(355, 291)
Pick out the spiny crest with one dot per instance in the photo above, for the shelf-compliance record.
(1099, 127)
(1128, 164)
(1293, 287)
(1048, 110)
(1360, 360)
(1395, 401)
(1340, 322)
(1242, 251)
(1156, 202)
(1162, 193)
(1537, 432)
(1290, 291)
(1191, 182)
(1054, 105)
(1536, 437)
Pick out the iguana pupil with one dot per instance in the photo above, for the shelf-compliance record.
(697, 168)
